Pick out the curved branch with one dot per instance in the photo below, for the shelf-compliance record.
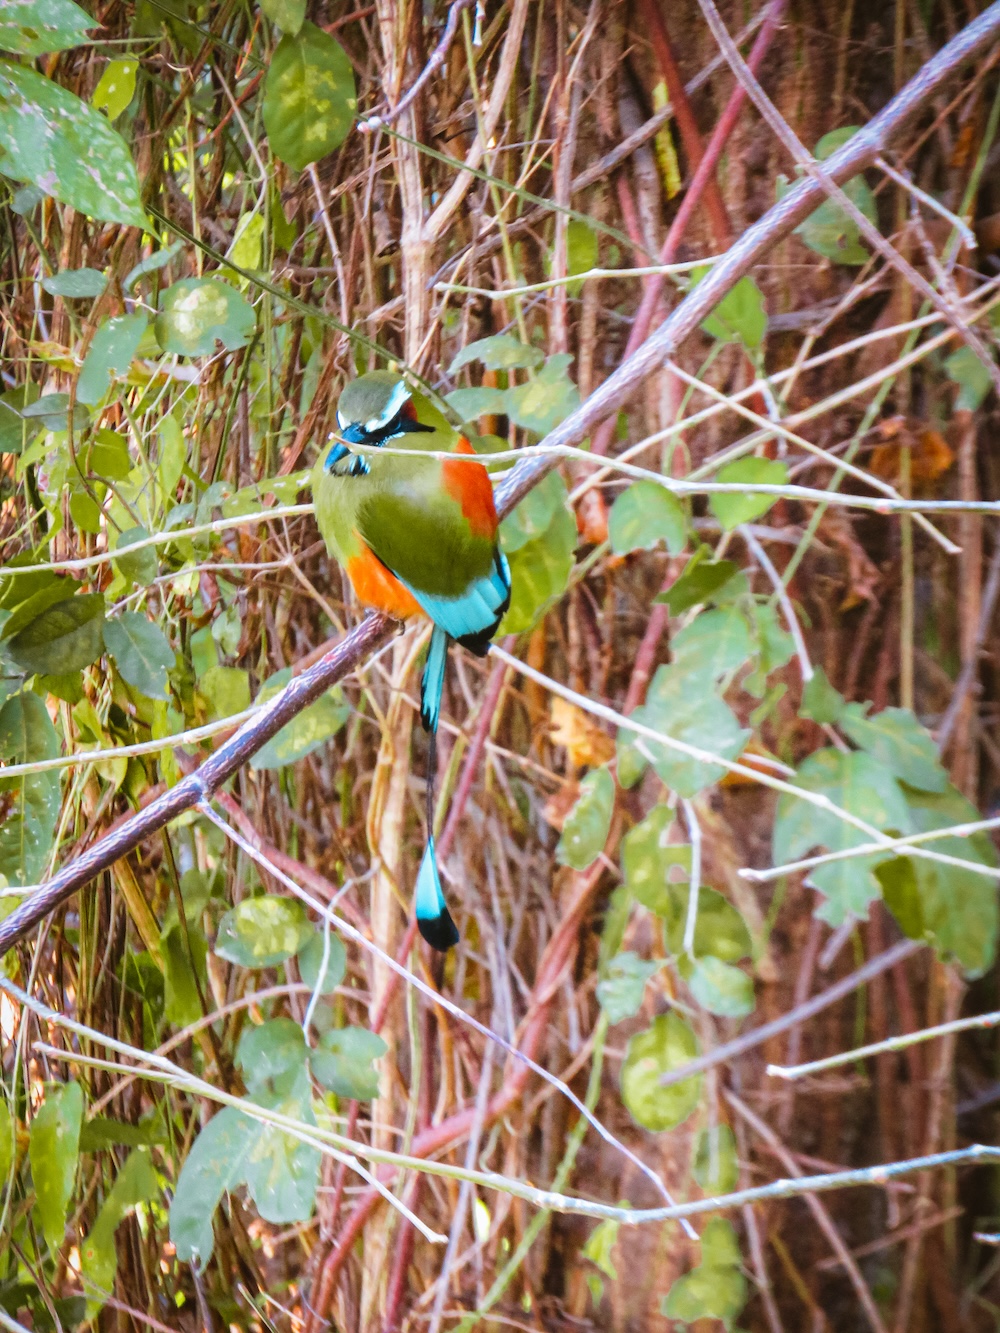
(857, 154)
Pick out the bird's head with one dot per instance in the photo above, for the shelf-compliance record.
(372, 409)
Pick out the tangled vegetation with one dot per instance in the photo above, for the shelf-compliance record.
(721, 795)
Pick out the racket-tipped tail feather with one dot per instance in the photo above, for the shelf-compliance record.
(433, 918)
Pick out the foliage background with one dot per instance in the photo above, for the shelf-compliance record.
(199, 246)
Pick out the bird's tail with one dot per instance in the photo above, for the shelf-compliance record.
(432, 681)
(433, 918)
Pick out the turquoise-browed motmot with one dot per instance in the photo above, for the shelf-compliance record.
(416, 536)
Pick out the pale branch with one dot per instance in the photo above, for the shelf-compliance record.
(859, 153)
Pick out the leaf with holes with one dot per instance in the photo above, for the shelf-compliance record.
(141, 651)
(309, 97)
(55, 141)
(667, 1044)
(65, 637)
(30, 804)
(645, 515)
(196, 311)
(35, 27)
(262, 932)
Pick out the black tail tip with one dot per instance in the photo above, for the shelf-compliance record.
(440, 931)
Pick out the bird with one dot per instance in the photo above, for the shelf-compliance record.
(416, 536)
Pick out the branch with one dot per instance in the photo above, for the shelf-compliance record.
(856, 155)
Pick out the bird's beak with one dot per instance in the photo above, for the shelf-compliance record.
(338, 452)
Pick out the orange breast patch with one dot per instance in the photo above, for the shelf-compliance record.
(378, 587)
(469, 484)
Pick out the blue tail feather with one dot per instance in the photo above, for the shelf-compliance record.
(433, 918)
(473, 617)
(432, 680)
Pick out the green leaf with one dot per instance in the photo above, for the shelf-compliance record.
(600, 1247)
(540, 571)
(698, 583)
(644, 515)
(108, 457)
(896, 739)
(196, 311)
(135, 1183)
(707, 1293)
(8, 1140)
(225, 691)
(715, 1165)
(215, 1165)
(76, 283)
(309, 97)
(262, 932)
(181, 1002)
(282, 1172)
(720, 932)
(501, 351)
(966, 370)
(730, 509)
(740, 316)
(581, 252)
(139, 567)
(774, 645)
(30, 803)
(587, 825)
(830, 231)
(546, 399)
(66, 685)
(820, 701)
(35, 27)
(532, 517)
(116, 87)
(28, 595)
(471, 404)
(667, 1044)
(651, 862)
(53, 1148)
(65, 637)
(52, 410)
(115, 344)
(311, 967)
(102, 1132)
(151, 264)
(141, 651)
(683, 707)
(52, 139)
(343, 1062)
(17, 431)
(620, 992)
(307, 731)
(954, 909)
(721, 988)
(864, 788)
(713, 644)
(289, 15)
(270, 1052)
